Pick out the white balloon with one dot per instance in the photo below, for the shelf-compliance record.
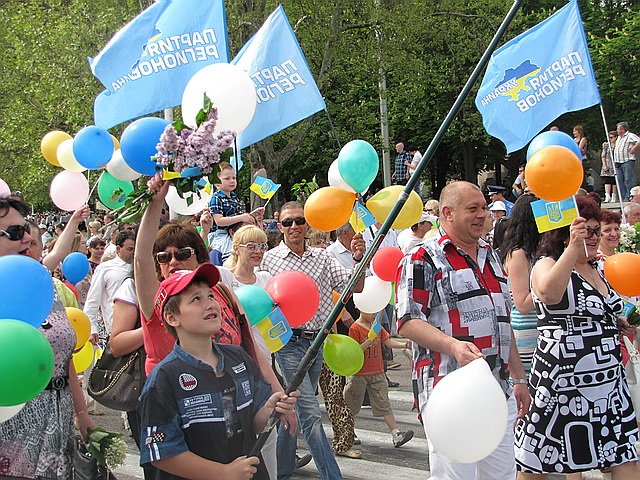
(231, 91)
(179, 205)
(7, 412)
(119, 169)
(336, 180)
(66, 158)
(374, 296)
(69, 190)
(466, 415)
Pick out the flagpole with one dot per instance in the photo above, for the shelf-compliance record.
(333, 130)
(615, 170)
(313, 350)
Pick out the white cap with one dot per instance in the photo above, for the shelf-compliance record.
(427, 217)
(498, 205)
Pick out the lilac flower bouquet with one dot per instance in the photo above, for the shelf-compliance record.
(186, 157)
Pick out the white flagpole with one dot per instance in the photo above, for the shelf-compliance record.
(615, 171)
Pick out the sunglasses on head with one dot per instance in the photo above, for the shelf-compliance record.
(180, 255)
(255, 247)
(287, 222)
(15, 232)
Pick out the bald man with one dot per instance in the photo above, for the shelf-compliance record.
(453, 302)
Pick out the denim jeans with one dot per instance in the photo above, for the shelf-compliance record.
(309, 415)
(626, 172)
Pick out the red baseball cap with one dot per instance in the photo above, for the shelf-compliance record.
(180, 280)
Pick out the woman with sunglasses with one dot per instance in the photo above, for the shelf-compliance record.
(582, 417)
(38, 442)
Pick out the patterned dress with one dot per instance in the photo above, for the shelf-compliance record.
(581, 416)
(38, 442)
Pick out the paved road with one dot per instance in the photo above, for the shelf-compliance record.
(380, 458)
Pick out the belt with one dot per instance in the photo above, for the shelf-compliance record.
(58, 383)
(306, 334)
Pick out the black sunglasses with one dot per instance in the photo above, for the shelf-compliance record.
(287, 222)
(15, 233)
(180, 255)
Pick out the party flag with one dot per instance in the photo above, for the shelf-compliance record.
(146, 66)
(285, 89)
(536, 77)
(275, 330)
(263, 187)
(375, 329)
(361, 218)
(552, 215)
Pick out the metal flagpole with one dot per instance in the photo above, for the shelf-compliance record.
(613, 162)
(313, 350)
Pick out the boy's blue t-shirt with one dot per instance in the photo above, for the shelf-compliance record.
(188, 406)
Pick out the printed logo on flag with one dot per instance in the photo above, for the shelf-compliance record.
(515, 79)
(275, 330)
(552, 215)
(553, 212)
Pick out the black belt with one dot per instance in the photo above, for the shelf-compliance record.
(306, 334)
(58, 383)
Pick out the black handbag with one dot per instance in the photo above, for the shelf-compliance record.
(85, 467)
(116, 382)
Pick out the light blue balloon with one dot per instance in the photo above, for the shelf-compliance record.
(93, 147)
(358, 164)
(546, 139)
(256, 302)
(138, 144)
(28, 290)
(75, 267)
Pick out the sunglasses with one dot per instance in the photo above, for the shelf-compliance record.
(593, 231)
(180, 255)
(287, 222)
(15, 233)
(255, 247)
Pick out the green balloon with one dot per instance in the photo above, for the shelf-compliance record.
(113, 192)
(256, 302)
(358, 164)
(343, 355)
(26, 362)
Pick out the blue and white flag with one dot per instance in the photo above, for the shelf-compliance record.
(286, 90)
(536, 77)
(148, 63)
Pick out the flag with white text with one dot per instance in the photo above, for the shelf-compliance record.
(148, 63)
(536, 77)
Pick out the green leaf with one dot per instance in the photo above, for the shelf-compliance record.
(200, 117)
(178, 125)
(189, 200)
(208, 104)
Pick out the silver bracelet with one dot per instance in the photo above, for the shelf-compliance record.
(520, 381)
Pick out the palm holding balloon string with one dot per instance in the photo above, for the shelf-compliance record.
(186, 157)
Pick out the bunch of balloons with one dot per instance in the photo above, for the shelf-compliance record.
(554, 169)
(378, 288)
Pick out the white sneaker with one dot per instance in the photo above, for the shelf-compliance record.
(613, 198)
(607, 198)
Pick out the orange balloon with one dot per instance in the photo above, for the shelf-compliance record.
(49, 145)
(336, 297)
(329, 208)
(554, 173)
(621, 271)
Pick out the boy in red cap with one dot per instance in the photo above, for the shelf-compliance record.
(201, 406)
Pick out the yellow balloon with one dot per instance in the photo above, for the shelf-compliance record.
(50, 143)
(381, 203)
(98, 354)
(81, 324)
(83, 358)
(116, 143)
(66, 157)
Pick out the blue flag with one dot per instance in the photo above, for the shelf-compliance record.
(536, 77)
(286, 90)
(264, 187)
(552, 215)
(148, 63)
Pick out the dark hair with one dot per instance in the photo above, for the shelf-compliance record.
(274, 237)
(95, 241)
(123, 236)
(610, 216)
(499, 230)
(521, 230)
(595, 196)
(552, 243)
(180, 235)
(172, 304)
(14, 202)
(290, 205)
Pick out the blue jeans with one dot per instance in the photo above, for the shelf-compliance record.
(626, 172)
(310, 417)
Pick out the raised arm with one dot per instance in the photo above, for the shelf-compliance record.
(62, 247)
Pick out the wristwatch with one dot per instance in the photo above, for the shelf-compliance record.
(519, 381)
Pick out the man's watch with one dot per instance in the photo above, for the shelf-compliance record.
(355, 259)
(519, 381)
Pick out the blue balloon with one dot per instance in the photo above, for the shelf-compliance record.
(93, 147)
(28, 290)
(75, 267)
(138, 144)
(358, 164)
(546, 139)
(256, 302)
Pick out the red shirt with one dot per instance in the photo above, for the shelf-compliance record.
(373, 364)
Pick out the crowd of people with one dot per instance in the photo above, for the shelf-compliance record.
(477, 281)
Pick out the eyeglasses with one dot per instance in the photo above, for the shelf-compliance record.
(593, 231)
(15, 233)
(255, 247)
(180, 255)
(287, 222)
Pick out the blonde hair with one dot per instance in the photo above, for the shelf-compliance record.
(316, 237)
(244, 235)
